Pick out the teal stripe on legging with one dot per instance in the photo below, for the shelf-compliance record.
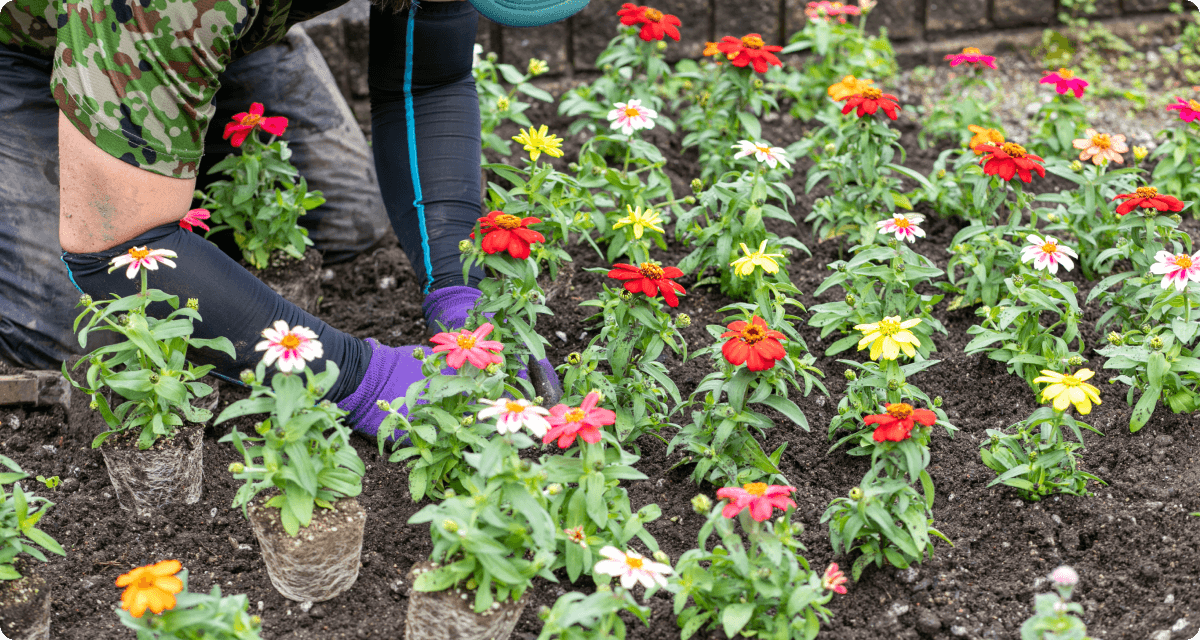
(412, 147)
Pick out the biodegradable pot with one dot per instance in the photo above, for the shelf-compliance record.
(322, 561)
(298, 281)
(25, 607)
(171, 471)
(450, 614)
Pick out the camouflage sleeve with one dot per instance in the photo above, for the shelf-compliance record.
(137, 77)
(25, 26)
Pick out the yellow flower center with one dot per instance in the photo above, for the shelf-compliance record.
(888, 327)
(574, 415)
(290, 341)
(902, 223)
(513, 407)
(763, 149)
(752, 334)
(634, 563)
(251, 120)
(1070, 381)
(1102, 141)
(1193, 105)
(1146, 192)
(1182, 261)
(1013, 149)
(1050, 247)
(631, 112)
(1066, 74)
(755, 488)
(971, 51)
(753, 42)
(506, 221)
(899, 410)
(871, 93)
(650, 270)
(138, 254)
(465, 341)
(653, 15)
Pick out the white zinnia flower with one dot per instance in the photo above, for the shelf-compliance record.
(1046, 253)
(293, 348)
(903, 225)
(139, 257)
(514, 414)
(631, 116)
(763, 152)
(632, 568)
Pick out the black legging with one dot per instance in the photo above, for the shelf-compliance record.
(430, 209)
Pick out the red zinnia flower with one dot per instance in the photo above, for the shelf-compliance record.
(870, 101)
(897, 423)
(1010, 159)
(750, 50)
(650, 279)
(762, 498)
(583, 421)
(244, 123)
(1147, 198)
(655, 24)
(754, 344)
(504, 232)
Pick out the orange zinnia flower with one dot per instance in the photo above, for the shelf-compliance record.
(748, 50)
(1010, 159)
(754, 344)
(870, 101)
(984, 135)
(1147, 198)
(849, 86)
(1098, 147)
(897, 424)
(151, 587)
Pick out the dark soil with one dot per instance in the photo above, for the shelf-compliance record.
(1133, 543)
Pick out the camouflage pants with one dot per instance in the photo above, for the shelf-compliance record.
(37, 301)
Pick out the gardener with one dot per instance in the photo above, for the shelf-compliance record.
(135, 85)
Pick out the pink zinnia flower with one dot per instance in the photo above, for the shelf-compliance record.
(762, 152)
(1188, 110)
(973, 56)
(762, 498)
(583, 421)
(1064, 576)
(511, 415)
(1046, 253)
(245, 122)
(194, 217)
(576, 535)
(469, 345)
(1064, 80)
(1099, 147)
(138, 257)
(631, 116)
(632, 568)
(1177, 269)
(903, 225)
(293, 348)
(834, 580)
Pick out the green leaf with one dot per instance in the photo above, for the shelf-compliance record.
(735, 616)
(1145, 407)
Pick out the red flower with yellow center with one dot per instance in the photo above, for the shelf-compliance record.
(750, 50)
(504, 232)
(759, 497)
(655, 24)
(871, 100)
(753, 343)
(1147, 198)
(583, 421)
(151, 587)
(1010, 159)
(897, 423)
(650, 279)
(243, 123)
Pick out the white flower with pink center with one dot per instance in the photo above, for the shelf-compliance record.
(1047, 253)
(511, 415)
(631, 116)
(138, 257)
(632, 568)
(1176, 269)
(289, 349)
(763, 152)
(903, 226)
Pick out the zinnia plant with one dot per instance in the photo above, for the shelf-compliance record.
(1047, 253)
(178, 614)
(654, 23)
(753, 344)
(760, 498)
(871, 100)
(1147, 198)
(584, 421)
(1010, 159)
(19, 514)
(651, 279)
(897, 421)
(1064, 80)
(469, 345)
(750, 50)
(505, 232)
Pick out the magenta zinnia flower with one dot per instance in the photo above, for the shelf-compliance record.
(834, 580)
(1176, 269)
(293, 348)
(245, 122)
(1064, 80)
(469, 345)
(583, 421)
(760, 497)
(972, 56)
(1188, 110)
(138, 257)
(195, 217)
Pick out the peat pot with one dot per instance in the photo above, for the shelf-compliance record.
(450, 614)
(169, 472)
(322, 561)
(25, 607)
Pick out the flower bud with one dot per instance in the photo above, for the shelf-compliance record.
(468, 419)
(123, 320)
(193, 304)
(1115, 339)
(491, 56)
(502, 104)
(256, 620)
(937, 401)
(247, 376)
(851, 375)
(479, 500)
(237, 467)
(465, 246)
(154, 378)
(85, 300)
(574, 358)
(763, 573)
(419, 354)
(596, 170)
(697, 186)
(543, 612)
(893, 385)
(554, 489)
(1018, 280)
(683, 320)
(573, 167)
(1075, 361)
(941, 173)
(851, 299)
(537, 67)
(660, 45)
(1156, 343)
(383, 405)
(1050, 217)
(471, 585)
(856, 494)
(841, 267)
(272, 467)
(1175, 217)
(687, 85)
(450, 493)
(759, 202)
(450, 526)
(606, 68)
(1076, 166)
(661, 556)
(538, 400)
(701, 504)
(94, 405)
(1140, 153)
(524, 465)
(899, 267)
(625, 295)
(1145, 328)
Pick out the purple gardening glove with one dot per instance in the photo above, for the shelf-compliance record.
(450, 305)
(388, 376)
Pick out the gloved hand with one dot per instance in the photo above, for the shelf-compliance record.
(389, 374)
(450, 305)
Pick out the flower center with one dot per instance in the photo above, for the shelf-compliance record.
(574, 415)
(902, 223)
(631, 112)
(1066, 74)
(651, 270)
(753, 42)
(1013, 149)
(138, 254)
(634, 563)
(1050, 247)
(1102, 140)
(1193, 105)
(144, 581)
(1182, 261)
(513, 407)
(971, 51)
(871, 93)
(888, 326)
(752, 334)
(653, 15)
(251, 120)
(465, 341)
(507, 221)
(1146, 192)
(1071, 381)
(899, 410)
(763, 149)
(290, 341)
(755, 488)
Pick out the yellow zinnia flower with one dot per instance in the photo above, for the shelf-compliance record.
(1069, 389)
(889, 337)
(849, 86)
(984, 135)
(744, 266)
(537, 141)
(538, 67)
(640, 221)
